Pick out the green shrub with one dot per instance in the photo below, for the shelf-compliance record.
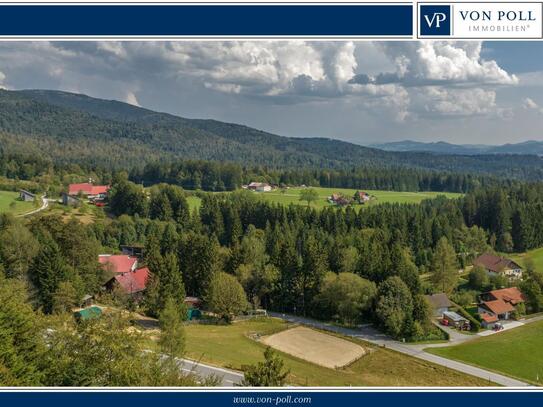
(475, 326)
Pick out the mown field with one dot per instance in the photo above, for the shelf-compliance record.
(292, 196)
(234, 346)
(9, 202)
(535, 255)
(517, 352)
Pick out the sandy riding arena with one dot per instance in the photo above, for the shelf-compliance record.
(316, 347)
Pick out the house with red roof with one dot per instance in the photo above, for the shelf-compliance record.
(118, 263)
(85, 189)
(499, 305)
(126, 274)
(133, 283)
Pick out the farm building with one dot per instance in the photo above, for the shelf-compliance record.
(86, 301)
(26, 196)
(499, 305)
(70, 200)
(440, 303)
(340, 200)
(259, 187)
(456, 320)
(94, 193)
(495, 265)
(361, 197)
(89, 190)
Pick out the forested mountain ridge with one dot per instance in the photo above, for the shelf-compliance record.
(530, 147)
(73, 128)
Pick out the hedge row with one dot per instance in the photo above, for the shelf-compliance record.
(475, 326)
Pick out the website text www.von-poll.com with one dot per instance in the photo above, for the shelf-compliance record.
(269, 400)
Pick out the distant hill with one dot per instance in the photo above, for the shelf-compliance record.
(74, 128)
(528, 147)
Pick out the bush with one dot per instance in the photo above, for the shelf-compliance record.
(464, 298)
(475, 326)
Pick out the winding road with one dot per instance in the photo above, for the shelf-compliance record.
(44, 205)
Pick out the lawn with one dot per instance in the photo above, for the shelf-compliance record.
(292, 196)
(517, 352)
(9, 202)
(536, 255)
(234, 346)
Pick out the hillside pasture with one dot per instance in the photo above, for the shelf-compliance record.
(535, 255)
(292, 195)
(10, 203)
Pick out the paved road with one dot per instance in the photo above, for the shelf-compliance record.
(228, 377)
(372, 335)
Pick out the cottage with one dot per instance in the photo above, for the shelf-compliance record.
(440, 303)
(133, 283)
(361, 197)
(499, 305)
(118, 263)
(26, 196)
(259, 187)
(495, 265)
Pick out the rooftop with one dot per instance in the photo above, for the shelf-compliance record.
(118, 263)
(439, 300)
(495, 263)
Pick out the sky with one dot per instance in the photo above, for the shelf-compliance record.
(362, 92)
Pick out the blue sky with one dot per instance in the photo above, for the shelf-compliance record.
(363, 92)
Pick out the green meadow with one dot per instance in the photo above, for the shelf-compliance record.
(536, 255)
(234, 346)
(517, 352)
(292, 196)
(9, 202)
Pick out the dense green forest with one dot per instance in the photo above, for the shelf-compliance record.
(70, 128)
(228, 176)
(341, 264)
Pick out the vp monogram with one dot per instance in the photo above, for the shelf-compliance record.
(437, 19)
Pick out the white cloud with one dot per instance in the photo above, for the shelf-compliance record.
(2, 79)
(530, 104)
(408, 79)
(458, 102)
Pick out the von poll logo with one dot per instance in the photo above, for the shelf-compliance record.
(435, 20)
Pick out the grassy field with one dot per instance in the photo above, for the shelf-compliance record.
(234, 346)
(517, 352)
(536, 255)
(9, 202)
(292, 196)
